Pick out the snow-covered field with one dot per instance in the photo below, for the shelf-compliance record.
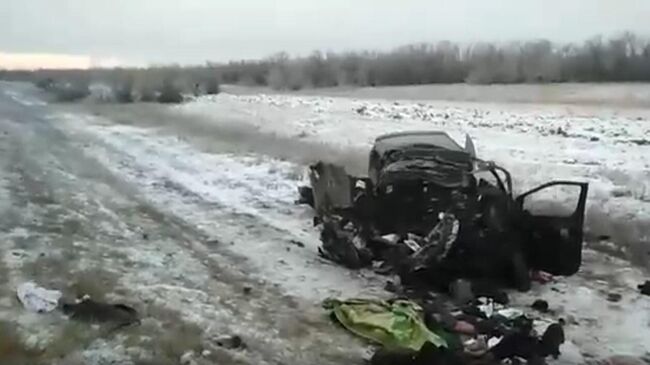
(608, 148)
(618, 95)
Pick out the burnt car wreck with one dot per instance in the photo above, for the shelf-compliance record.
(431, 212)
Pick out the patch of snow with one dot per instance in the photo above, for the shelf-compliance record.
(594, 325)
(248, 200)
(245, 202)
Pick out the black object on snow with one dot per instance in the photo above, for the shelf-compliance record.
(91, 311)
(428, 354)
(522, 343)
(385, 356)
(552, 339)
(230, 342)
(614, 297)
(306, 196)
(645, 288)
(540, 305)
(297, 243)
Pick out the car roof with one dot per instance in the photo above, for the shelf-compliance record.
(403, 139)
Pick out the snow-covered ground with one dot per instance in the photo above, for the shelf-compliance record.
(537, 143)
(244, 201)
(248, 200)
(220, 219)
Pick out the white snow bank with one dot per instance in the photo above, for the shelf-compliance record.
(536, 143)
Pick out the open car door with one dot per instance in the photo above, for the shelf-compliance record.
(553, 243)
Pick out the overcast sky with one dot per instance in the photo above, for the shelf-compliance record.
(143, 31)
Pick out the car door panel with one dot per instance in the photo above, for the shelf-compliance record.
(554, 243)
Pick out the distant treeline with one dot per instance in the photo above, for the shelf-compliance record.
(618, 59)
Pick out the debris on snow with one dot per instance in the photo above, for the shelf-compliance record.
(88, 310)
(540, 305)
(230, 342)
(37, 299)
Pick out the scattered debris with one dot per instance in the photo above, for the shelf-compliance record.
(540, 305)
(393, 324)
(522, 342)
(428, 354)
(297, 243)
(392, 287)
(476, 347)
(362, 110)
(552, 338)
(187, 358)
(614, 297)
(386, 356)
(37, 299)
(489, 342)
(464, 328)
(88, 310)
(510, 313)
(561, 132)
(230, 342)
(640, 142)
(541, 277)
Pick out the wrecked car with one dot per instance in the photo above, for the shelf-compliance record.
(429, 209)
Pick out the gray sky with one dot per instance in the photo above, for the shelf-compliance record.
(198, 30)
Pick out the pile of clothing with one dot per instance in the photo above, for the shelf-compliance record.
(431, 332)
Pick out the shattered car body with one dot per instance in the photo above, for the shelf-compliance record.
(444, 208)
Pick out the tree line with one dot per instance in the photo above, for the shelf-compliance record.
(622, 58)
